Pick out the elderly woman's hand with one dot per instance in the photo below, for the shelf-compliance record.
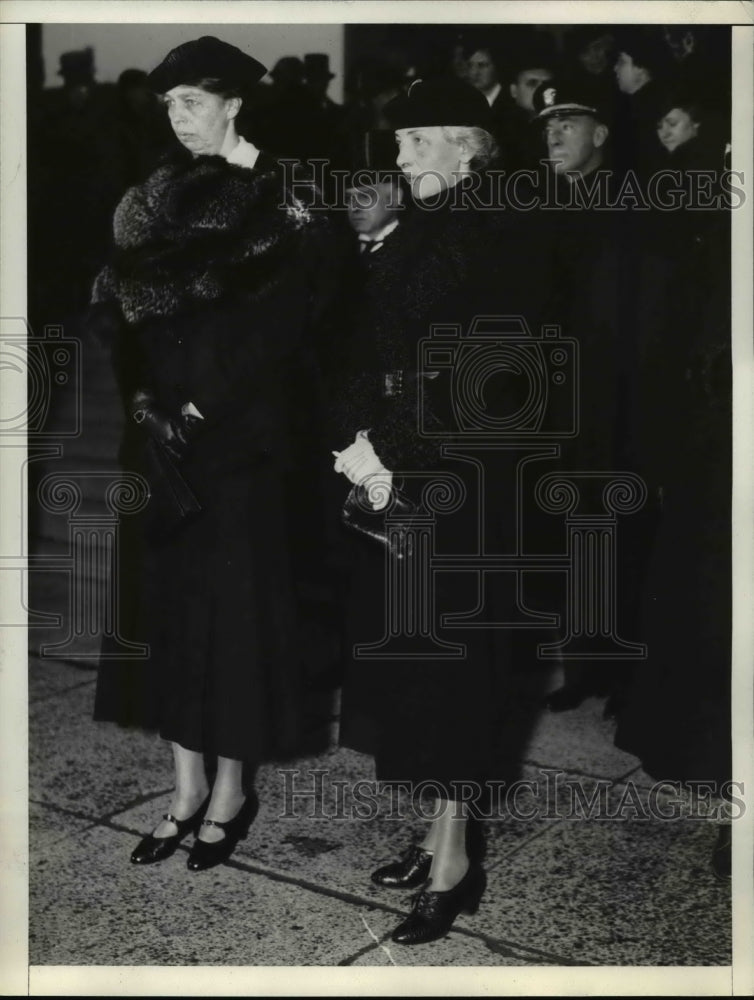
(361, 465)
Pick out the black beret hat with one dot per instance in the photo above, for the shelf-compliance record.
(562, 98)
(205, 57)
(581, 35)
(646, 47)
(439, 102)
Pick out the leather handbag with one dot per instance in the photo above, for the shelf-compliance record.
(172, 503)
(359, 515)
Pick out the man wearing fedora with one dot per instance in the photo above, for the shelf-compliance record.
(283, 115)
(318, 75)
(328, 125)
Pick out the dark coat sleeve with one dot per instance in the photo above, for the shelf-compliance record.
(468, 266)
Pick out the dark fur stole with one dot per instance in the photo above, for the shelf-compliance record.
(196, 231)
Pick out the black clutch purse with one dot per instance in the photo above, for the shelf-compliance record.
(172, 502)
(388, 527)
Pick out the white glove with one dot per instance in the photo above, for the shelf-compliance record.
(361, 465)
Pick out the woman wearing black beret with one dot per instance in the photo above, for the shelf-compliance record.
(213, 291)
(425, 720)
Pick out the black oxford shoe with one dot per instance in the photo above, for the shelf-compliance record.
(434, 912)
(412, 870)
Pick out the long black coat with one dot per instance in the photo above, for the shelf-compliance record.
(427, 720)
(218, 288)
(677, 720)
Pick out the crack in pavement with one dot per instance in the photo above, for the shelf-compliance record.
(495, 945)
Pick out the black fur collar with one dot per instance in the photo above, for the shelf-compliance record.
(196, 230)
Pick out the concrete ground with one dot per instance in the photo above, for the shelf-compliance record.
(563, 889)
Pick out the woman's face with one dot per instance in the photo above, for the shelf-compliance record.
(201, 121)
(675, 128)
(430, 162)
(627, 74)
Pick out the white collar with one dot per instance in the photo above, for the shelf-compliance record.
(379, 236)
(491, 97)
(244, 154)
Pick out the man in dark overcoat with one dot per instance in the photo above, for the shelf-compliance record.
(596, 254)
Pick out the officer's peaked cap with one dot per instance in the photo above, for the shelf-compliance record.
(563, 98)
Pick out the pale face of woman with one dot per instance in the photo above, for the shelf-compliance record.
(203, 122)
(675, 128)
(430, 161)
(629, 76)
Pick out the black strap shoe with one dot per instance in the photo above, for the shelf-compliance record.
(205, 855)
(412, 870)
(434, 912)
(151, 849)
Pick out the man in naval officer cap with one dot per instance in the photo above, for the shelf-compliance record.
(575, 124)
(594, 254)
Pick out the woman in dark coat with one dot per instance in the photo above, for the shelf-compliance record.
(214, 285)
(677, 720)
(424, 719)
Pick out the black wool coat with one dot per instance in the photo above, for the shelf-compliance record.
(219, 287)
(431, 719)
(214, 295)
(443, 266)
(681, 440)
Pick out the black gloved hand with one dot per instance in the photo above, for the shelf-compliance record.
(191, 425)
(168, 430)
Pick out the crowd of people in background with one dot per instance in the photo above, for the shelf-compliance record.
(646, 290)
(664, 90)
